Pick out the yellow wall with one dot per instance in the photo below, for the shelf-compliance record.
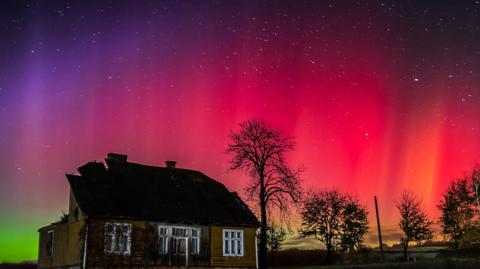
(67, 245)
(249, 256)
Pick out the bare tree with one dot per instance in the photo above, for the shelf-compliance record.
(414, 221)
(259, 150)
(336, 219)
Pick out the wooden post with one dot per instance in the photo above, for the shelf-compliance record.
(256, 251)
(379, 229)
(186, 250)
(85, 245)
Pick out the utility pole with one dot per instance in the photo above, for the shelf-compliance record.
(379, 229)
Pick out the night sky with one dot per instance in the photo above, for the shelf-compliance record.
(380, 95)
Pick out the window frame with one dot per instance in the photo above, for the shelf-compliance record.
(197, 237)
(49, 248)
(113, 234)
(167, 236)
(226, 247)
(188, 236)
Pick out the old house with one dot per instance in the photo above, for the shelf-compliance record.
(124, 214)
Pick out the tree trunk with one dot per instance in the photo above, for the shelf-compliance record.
(262, 248)
(405, 250)
(329, 253)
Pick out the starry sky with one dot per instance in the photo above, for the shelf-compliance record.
(381, 96)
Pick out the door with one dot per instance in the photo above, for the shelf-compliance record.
(180, 246)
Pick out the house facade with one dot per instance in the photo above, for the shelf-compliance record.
(128, 215)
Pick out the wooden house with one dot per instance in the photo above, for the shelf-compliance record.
(128, 215)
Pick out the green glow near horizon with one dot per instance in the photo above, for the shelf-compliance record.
(18, 243)
(19, 232)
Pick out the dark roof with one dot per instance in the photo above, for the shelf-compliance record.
(134, 191)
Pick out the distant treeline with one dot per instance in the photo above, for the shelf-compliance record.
(340, 221)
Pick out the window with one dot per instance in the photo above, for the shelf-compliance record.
(163, 239)
(49, 244)
(232, 243)
(118, 238)
(180, 235)
(195, 242)
(179, 231)
(179, 245)
(177, 237)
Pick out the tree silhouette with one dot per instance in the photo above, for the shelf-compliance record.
(457, 208)
(413, 222)
(476, 185)
(275, 237)
(337, 220)
(259, 150)
(354, 225)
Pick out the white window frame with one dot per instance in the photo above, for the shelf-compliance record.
(197, 240)
(166, 237)
(237, 241)
(52, 232)
(127, 232)
(180, 237)
(188, 237)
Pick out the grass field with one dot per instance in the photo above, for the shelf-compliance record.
(425, 258)
(422, 258)
(433, 264)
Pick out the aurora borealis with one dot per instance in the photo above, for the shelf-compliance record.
(380, 95)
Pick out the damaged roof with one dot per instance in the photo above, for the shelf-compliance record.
(121, 189)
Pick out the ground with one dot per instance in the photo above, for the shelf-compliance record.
(432, 264)
(422, 258)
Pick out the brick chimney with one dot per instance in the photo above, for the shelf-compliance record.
(170, 164)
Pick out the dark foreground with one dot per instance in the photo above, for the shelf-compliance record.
(18, 266)
(434, 264)
(422, 258)
(468, 263)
